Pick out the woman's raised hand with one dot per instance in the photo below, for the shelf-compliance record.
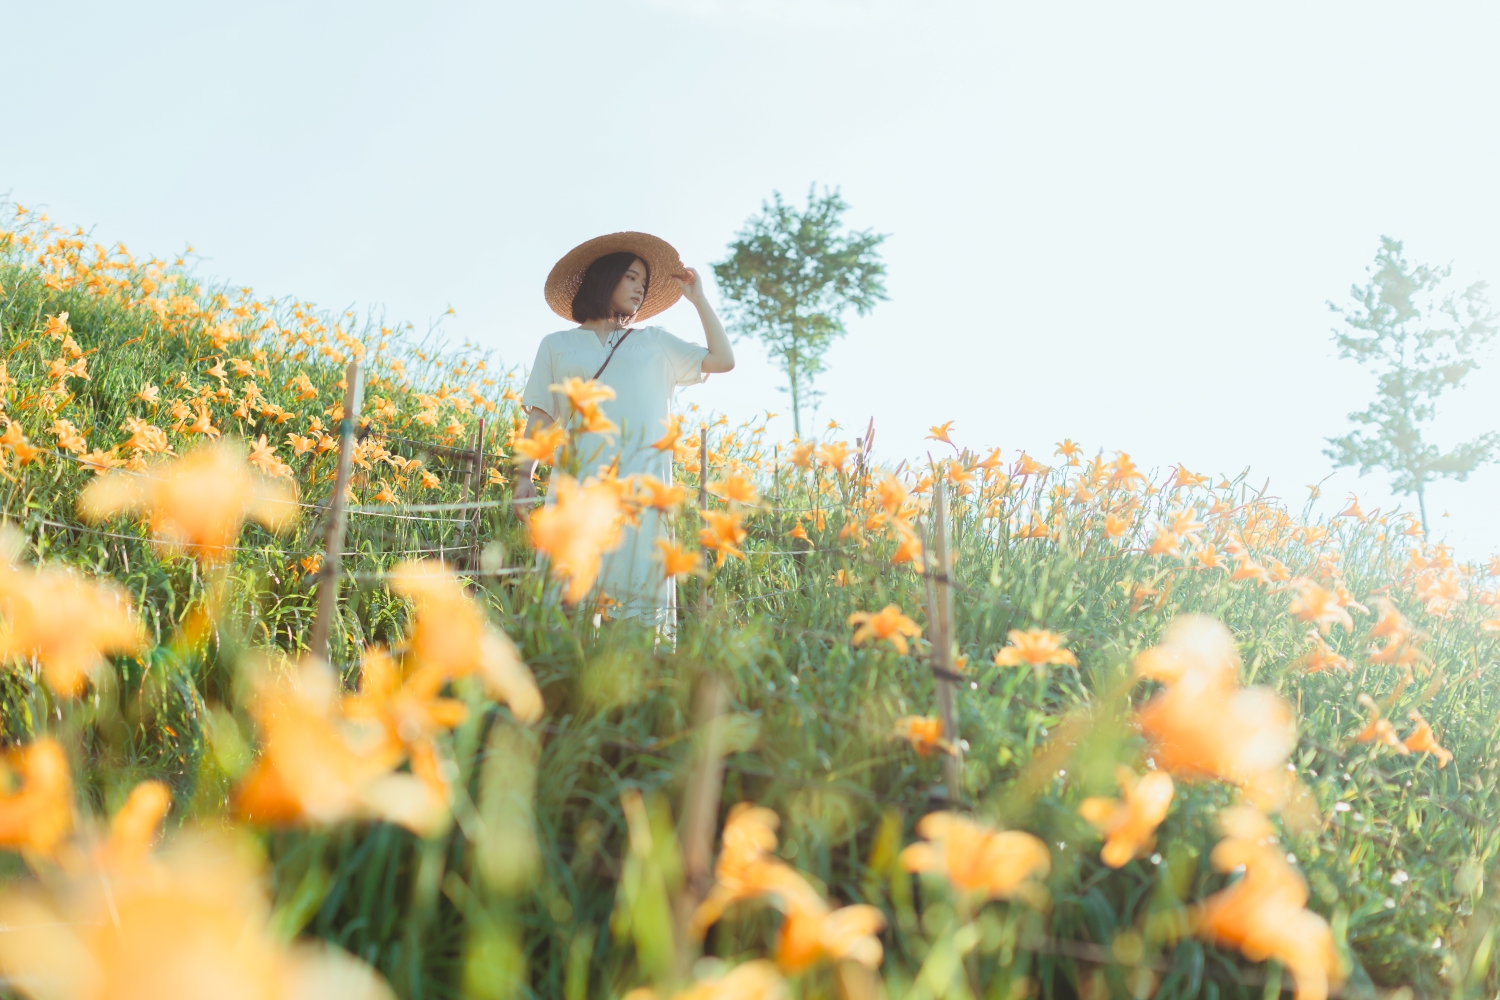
(691, 285)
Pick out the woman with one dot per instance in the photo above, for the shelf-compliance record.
(604, 285)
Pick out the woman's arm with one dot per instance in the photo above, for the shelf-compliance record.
(525, 492)
(720, 354)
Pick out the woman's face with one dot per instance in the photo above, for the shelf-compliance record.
(631, 291)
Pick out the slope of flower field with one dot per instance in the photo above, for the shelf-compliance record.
(1202, 747)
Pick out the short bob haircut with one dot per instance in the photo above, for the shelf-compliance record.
(596, 291)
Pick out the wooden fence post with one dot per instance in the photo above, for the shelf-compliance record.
(333, 534)
(940, 619)
(699, 818)
(476, 483)
(702, 506)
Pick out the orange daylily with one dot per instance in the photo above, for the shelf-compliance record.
(1318, 605)
(753, 980)
(1068, 450)
(136, 825)
(198, 502)
(677, 561)
(64, 621)
(195, 922)
(1421, 740)
(38, 813)
(451, 638)
(812, 934)
(1129, 823)
(1263, 914)
(978, 860)
(1203, 725)
(1377, 729)
(1320, 656)
(575, 529)
(834, 455)
(316, 767)
(723, 534)
(940, 433)
(746, 869)
(1036, 648)
(668, 441)
(1249, 569)
(888, 623)
(659, 495)
(543, 444)
(924, 733)
(735, 489)
(263, 457)
(1352, 510)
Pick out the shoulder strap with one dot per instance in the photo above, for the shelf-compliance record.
(611, 354)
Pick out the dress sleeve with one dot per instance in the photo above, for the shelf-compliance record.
(537, 393)
(684, 360)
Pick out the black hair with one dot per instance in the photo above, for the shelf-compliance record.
(596, 292)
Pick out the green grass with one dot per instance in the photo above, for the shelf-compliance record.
(812, 714)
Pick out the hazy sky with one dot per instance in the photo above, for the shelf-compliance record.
(1116, 222)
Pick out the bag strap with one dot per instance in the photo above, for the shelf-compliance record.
(611, 354)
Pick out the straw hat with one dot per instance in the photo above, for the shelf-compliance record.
(659, 255)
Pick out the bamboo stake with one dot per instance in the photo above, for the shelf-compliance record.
(333, 538)
(940, 617)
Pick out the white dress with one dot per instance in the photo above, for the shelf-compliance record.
(644, 373)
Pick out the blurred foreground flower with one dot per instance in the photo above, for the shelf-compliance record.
(451, 639)
(36, 810)
(1262, 913)
(1204, 725)
(193, 923)
(198, 502)
(811, 930)
(979, 861)
(888, 623)
(753, 980)
(1036, 648)
(1129, 823)
(315, 766)
(577, 526)
(62, 620)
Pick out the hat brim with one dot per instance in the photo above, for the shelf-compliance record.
(659, 255)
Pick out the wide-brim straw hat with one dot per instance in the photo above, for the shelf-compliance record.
(659, 255)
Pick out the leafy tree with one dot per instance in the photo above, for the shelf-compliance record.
(791, 276)
(1420, 341)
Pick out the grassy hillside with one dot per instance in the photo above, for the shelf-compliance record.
(466, 843)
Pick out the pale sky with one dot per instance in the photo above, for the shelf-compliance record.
(1115, 222)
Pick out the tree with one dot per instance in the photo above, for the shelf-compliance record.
(1420, 341)
(791, 276)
